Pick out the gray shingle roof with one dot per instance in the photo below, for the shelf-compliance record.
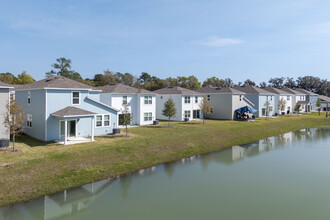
(122, 89)
(176, 90)
(303, 102)
(293, 91)
(55, 82)
(72, 111)
(252, 90)
(276, 90)
(325, 98)
(213, 89)
(5, 85)
(305, 91)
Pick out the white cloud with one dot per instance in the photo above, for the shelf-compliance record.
(214, 41)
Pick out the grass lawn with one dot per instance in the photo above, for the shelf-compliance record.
(43, 168)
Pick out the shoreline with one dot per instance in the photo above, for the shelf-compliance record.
(131, 158)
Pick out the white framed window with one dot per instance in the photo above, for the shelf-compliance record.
(28, 97)
(75, 98)
(29, 120)
(148, 116)
(196, 99)
(147, 100)
(209, 98)
(288, 98)
(102, 121)
(124, 100)
(99, 121)
(187, 99)
(106, 120)
(187, 114)
(271, 98)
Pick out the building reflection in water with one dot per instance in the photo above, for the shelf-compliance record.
(75, 202)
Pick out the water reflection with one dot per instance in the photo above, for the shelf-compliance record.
(76, 202)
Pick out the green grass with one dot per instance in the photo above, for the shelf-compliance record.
(43, 168)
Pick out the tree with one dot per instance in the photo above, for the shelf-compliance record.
(318, 104)
(14, 119)
(277, 82)
(24, 78)
(169, 110)
(205, 107)
(62, 67)
(263, 84)
(249, 82)
(145, 77)
(282, 104)
(127, 117)
(7, 78)
(297, 108)
(290, 83)
(190, 82)
(269, 108)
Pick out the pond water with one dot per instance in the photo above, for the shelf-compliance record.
(281, 177)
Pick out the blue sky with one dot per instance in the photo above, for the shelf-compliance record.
(238, 39)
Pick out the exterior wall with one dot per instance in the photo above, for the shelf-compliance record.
(37, 109)
(222, 106)
(288, 106)
(145, 108)
(160, 101)
(4, 99)
(238, 102)
(313, 99)
(189, 106)
(136, 105)
(262, 101)
(83, 124)
(254, 98)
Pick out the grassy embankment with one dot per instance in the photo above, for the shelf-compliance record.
(43, 168)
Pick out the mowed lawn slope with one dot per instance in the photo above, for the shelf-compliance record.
(43, 168)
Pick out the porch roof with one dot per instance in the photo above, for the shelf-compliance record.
(70, 112)
(303, 102)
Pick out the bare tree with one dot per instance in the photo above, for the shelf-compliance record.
(281, 104)
(269, 108)
(14, 119)
(127, 117)
(205, 107)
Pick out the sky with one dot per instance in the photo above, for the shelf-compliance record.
(235, 39)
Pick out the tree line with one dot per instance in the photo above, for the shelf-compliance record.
(62, 67)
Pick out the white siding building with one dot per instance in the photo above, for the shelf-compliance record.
(141, 102)
(281, 94)
(299, 97)
(186, 103)
(225, 101)
(4, 99)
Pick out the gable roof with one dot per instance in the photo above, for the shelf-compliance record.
(101, 103)
(213, 89)
(176, 90)
(276, 90)
(6, 85)
(325, 98)
(72, 112)
(304, 91)
(293, 91)
(55, 82)
(252, 90)
(122, 89)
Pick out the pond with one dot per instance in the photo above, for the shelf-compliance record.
(281, 177)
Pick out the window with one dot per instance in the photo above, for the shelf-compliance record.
(288, 98)
(147, 100)
(240, 97)
(267, 98)
(99, 121)
(124, 100)
(75, 98)
(271, 98)
(28, 97)
(187, 114)
(209, 98)
(263, 112)
(29, 120)
(148, 116)
(106, 121)
(187, 99)
(196, 99)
